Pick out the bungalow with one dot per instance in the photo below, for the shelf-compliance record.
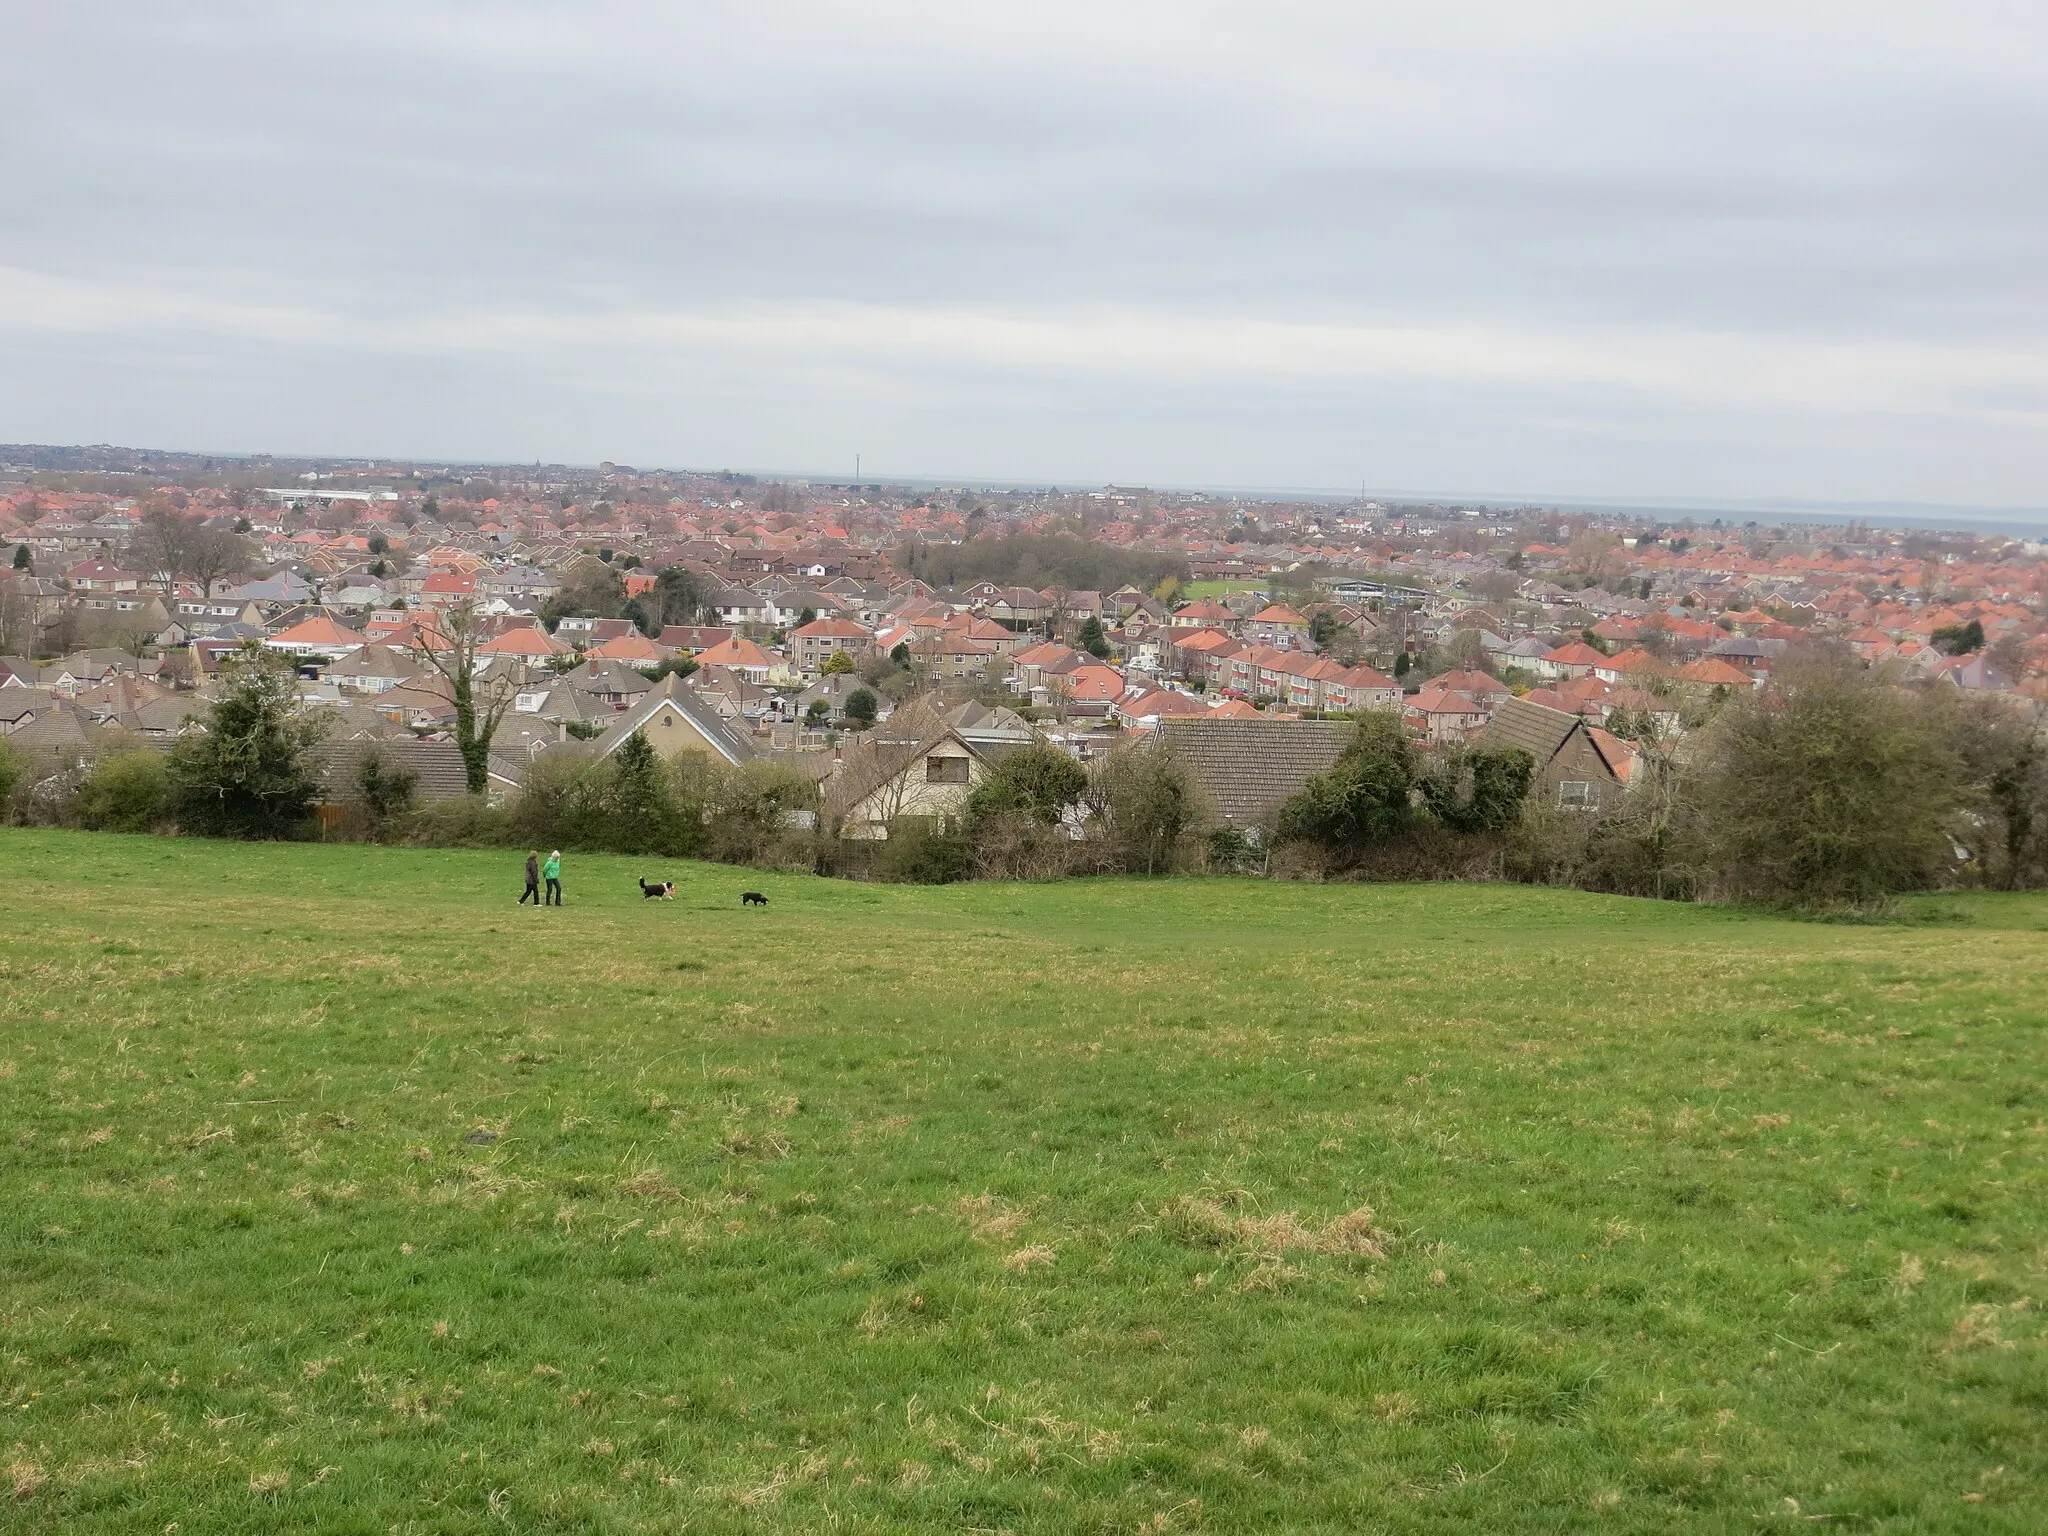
(611, 683)
(1572, 770)
(1712, 672)
(692, 637)
(633, 648)
(1018, 605)
(737, 605)
(1092, 688)
(316, 636)
(371, 669)
(742, 655)
(1251, 767)
(1029, 666)
(19, 706)
(102, 576)
(436, 767)
(529, 642)
(1483, 686)
(1575, 659)
(1147, 707)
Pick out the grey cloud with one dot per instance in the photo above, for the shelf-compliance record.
(1847, 177)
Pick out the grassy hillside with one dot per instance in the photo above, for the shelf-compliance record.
(341, 1194)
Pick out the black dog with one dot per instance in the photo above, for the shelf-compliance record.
(753, 899)
(661, 890)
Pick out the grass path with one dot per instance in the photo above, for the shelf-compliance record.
(340, 1194)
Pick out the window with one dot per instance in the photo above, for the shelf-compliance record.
(1575, 793)
(945, 770)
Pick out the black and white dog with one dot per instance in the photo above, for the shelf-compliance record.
(661, 890)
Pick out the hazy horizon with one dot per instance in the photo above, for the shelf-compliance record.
(1772, 255)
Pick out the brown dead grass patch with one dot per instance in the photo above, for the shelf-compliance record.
(1983, 1326)
(992, 1221)
(650, 1184)
(1204, 1223)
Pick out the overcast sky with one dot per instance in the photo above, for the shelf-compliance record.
(1754, 248)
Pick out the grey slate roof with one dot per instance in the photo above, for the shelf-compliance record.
(1250, 767)
(438, 764)
(1540, 731)
(727, 742)
(1537, 729)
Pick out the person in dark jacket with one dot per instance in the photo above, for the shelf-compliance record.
(532, 878)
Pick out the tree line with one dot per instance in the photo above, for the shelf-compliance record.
(1039, 561)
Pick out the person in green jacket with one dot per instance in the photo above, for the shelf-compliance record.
(552, 871)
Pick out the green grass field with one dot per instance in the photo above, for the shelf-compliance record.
(342, 1195)
(1199, 589)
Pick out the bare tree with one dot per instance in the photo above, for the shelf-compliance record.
(1058, 602)
(157, 546)
(214, 554)
(876, 771)
(17, 615)
(452, 648)
(167, 543)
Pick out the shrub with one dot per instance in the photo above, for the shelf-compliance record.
(561, 804)
(1477, 789)
(1146, 812)
(1998, 739)
(1959, 639)
(12, 771)
(1837, 790)
(246, 774)
(383, 793)
(641, 812)
(1013, 845)
(1039, 782)
(1231, 852)
(752, 810)
(862, 707)
(923, 851)
(466, 821)
(1365, 798)
(1651, 843)
(124, 792)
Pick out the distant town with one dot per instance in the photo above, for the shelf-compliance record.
(752, 617)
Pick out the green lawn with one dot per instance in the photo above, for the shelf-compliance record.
(341, 1194)
(1198, 589)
